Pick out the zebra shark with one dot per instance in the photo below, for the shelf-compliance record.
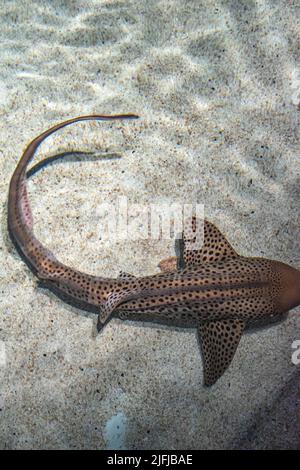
(211, 288)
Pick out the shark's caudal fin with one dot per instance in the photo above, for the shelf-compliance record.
(219, 341)
(200, 243)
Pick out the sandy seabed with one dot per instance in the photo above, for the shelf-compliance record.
(217, 86)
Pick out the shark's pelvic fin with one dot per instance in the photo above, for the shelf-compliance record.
(168, 265)
(219, 341)
(113, 301)
(126, 276)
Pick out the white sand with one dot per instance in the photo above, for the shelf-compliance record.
(217, 85)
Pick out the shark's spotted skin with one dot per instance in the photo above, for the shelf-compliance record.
(208, 287)
(25, 208)
(219, 340)
(213, 245)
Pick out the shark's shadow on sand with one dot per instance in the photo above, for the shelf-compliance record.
(71, 156)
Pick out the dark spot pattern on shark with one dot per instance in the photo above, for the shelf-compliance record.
(208, 287)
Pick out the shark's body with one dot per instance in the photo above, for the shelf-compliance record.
(211, 288)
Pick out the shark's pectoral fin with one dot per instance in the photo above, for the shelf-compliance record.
(112, 302)
(202, 242)
(219, 341)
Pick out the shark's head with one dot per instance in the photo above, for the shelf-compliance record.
(289, 296)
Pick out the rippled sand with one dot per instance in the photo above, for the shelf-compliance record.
(217, 86)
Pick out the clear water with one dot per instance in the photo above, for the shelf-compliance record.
(216, 84)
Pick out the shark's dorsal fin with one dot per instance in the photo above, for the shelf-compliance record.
(200, 243)
(219, 341)
(213, 246)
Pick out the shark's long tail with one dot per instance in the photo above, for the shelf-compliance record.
(20, 221)
(35, 143)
